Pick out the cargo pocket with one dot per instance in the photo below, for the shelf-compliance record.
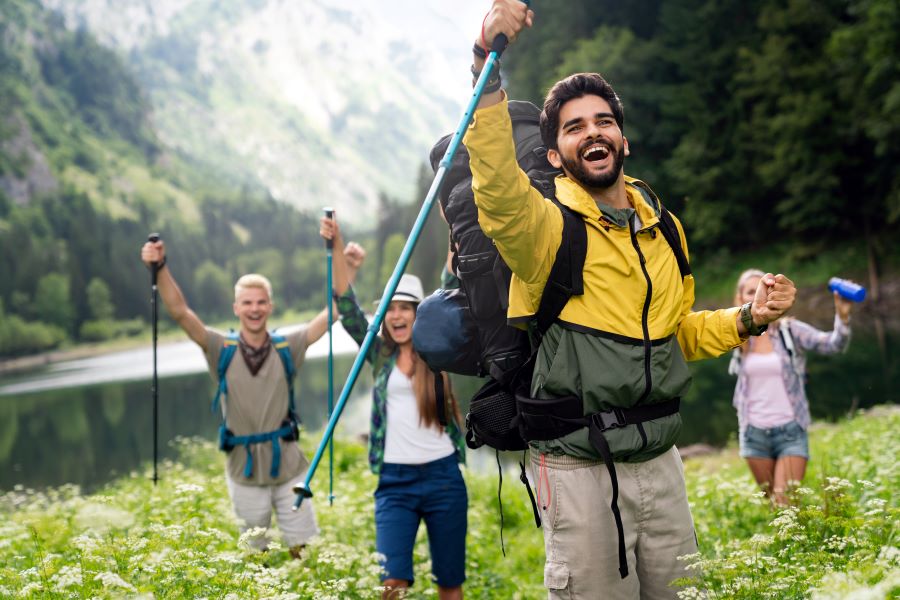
(556, 579)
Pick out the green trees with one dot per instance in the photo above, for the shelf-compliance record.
(755, 121)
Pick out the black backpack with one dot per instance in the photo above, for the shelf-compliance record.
(465, 331)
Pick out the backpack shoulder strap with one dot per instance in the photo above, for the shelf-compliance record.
(666, 225)
(566, 277)
(784, 332)
(284, 352)
(670, 232)
(229, 347)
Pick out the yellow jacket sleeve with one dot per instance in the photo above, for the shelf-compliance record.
(526, 227)
(705, 333)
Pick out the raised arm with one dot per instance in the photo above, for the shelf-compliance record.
(348, 259)
(508, 17)
(176, 305)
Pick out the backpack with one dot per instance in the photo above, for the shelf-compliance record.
(290, 427)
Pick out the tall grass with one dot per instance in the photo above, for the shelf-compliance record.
(179, 539)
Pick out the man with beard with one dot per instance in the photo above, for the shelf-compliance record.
(601, 414)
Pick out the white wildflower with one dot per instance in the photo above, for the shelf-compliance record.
(112, 580)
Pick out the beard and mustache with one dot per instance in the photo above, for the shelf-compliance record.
(575, 167)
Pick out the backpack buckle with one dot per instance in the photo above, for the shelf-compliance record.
(610, 419)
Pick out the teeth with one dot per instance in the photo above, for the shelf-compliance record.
(593, 151)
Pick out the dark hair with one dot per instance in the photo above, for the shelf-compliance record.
(576, 86)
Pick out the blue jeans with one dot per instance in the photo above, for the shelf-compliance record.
(784, 440)
(407, 494)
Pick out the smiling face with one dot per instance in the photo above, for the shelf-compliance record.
(590, 146)
(252, 306)
(398, 321)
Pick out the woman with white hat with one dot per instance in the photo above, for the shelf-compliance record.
(415, 457)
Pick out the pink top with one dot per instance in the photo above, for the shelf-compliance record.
(768, 404)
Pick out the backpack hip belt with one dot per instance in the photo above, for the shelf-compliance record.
(228, 441)
(552, 418)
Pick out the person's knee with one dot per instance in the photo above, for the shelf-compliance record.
(450, 593)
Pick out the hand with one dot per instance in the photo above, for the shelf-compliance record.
(153, 252)
(775, 294)
(328, 229)
(505, 16)
(354, 255)
(842, 308)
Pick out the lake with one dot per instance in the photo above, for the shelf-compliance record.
(87, 421)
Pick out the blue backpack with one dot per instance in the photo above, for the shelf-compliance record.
(290, 427)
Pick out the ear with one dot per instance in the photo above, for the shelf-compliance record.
(234, 307)
(625, 145)
(554, 158)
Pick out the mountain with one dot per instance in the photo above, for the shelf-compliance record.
(325, 103)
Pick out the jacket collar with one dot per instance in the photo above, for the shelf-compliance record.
(642, 198)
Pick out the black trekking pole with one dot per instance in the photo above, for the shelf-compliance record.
(329, 300)
(154, 271)
(302, 489)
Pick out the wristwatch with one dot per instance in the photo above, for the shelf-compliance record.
(747, 320)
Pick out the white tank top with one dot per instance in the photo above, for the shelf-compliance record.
(768, 404)
(407, 441)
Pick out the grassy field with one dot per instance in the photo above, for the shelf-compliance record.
(179, 539)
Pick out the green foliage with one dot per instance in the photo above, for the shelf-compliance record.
(753, 121)
(53, 302)
(213, 288)
(96, 330)
(837, 539)
(99, 299)
(18, 336)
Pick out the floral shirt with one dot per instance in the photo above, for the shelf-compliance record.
(805, 338)
(356, 324)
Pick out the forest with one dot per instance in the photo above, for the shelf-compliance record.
(765, 126)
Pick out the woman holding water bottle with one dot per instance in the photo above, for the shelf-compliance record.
(770, 395)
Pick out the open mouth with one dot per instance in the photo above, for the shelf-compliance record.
(399, 328)
(595, 153)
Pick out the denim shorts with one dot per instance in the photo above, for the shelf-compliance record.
(785, 440)
(407, 494)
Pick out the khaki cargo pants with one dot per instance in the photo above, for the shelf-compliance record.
(580, 532)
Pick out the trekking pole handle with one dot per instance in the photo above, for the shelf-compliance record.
(153, 238)
(329, 212)
(500, 40)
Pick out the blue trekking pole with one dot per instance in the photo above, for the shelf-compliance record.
(302, 489)
(329, 300)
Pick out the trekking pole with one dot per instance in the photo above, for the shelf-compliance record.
(329, 300)
(154, 270)
(302, 489)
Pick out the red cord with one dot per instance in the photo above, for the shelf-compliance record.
(483, 42)
(542, 475)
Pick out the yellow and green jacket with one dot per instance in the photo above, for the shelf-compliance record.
(625, 341)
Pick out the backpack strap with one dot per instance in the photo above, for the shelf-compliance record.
(229, 347)
(284, 352)
(784, 332)
(566, 278)
(670, 232)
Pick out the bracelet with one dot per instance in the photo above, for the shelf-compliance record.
(478, 51)
(493, 84)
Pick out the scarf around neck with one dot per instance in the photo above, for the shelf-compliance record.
(255, 357)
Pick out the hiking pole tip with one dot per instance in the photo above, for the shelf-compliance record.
(302, 490)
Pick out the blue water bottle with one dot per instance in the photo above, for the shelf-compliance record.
(847, 289)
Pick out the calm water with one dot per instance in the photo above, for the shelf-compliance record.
(87, 421)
